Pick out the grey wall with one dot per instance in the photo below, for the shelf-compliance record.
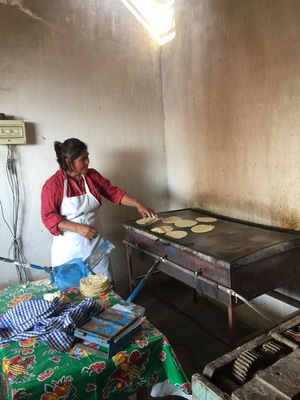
(82, 69)
(230, 83)
(232, 98)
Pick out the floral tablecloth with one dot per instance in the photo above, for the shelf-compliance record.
(31, 370)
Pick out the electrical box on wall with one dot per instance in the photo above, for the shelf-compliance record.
(12, 132)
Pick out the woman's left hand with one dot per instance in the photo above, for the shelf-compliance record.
(146, 212)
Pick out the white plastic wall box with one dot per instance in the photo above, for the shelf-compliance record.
(12, 132)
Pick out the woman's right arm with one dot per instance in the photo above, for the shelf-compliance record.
(51, 198)
(87, 231)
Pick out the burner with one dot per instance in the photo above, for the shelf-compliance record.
(267, 367)
(293, 333)
(271, 350)
(246, 364)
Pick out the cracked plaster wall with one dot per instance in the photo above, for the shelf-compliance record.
(82, 69)
(232, 99)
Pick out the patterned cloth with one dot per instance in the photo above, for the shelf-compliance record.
(31, 370)
(53, 323)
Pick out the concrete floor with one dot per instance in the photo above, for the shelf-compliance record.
(171, 307)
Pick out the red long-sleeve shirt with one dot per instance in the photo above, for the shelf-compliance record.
(53, 192)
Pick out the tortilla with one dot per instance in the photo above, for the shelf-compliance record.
(206, 219)
(147, 221)
(162, 229)
(176, 234)
(171, 220)
(202, 228)
(185, 223)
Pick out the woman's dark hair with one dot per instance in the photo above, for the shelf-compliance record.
(70, 148)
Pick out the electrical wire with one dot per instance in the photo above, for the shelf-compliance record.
(12, 177)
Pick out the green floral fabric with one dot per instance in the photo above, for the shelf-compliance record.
(33, 371)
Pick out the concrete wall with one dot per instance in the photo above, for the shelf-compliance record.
(230, 83)
(83, 69)
(232, 106)
(232, 100)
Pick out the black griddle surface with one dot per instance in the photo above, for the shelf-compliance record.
(233, 241)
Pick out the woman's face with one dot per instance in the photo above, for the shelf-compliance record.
(80, 164)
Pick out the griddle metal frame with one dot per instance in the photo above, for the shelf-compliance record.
(215, 278)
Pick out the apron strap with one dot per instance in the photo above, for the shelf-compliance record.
(87, 189)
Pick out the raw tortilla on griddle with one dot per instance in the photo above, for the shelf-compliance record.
(176, 234)
(162, 229)
(185, 223)
(206, 219)
(147, 221)
(202, 228)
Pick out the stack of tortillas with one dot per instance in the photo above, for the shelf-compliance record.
(94, 285)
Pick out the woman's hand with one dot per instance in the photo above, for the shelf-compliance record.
(86, 231)
(145, 211)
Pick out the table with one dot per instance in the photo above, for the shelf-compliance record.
(32, 370)
(235, 262)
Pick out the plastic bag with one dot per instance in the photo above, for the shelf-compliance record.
(98, 254)
(68, 275)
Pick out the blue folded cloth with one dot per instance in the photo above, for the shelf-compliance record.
(52, 322)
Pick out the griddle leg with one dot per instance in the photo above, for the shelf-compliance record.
(195, 298)
(130, 272)
(231, 325)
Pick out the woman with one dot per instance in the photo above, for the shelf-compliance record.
(70, 200)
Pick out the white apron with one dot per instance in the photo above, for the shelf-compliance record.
(69, 245)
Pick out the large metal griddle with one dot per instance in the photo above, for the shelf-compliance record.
(231, 242)
(235, 257)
